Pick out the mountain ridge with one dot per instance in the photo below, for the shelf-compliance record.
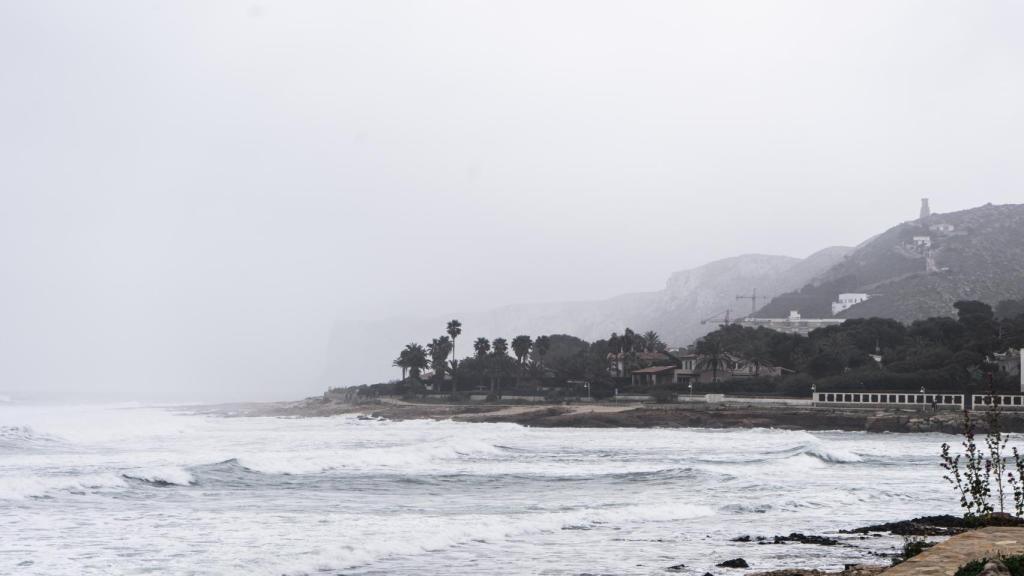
(919, 268)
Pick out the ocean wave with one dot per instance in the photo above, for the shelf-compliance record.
(405, 458)
(832, 455)
(813, 448)
(22, 487)
(24, 438)
(162, 476)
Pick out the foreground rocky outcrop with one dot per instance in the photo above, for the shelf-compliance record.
(854, 570)
(942, 525)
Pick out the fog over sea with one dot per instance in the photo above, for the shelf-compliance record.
(134, 490)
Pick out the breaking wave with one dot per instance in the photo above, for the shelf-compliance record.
(24, 438)
(162, 476)
(22, 487)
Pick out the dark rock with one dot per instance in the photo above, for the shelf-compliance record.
(708, 574)
(744, 538)
(734, 563)
(676, 568)
(944, 525)
(804, 539)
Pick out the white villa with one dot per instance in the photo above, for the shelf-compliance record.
(845, 301)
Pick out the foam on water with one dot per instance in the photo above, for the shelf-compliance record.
(192, 494)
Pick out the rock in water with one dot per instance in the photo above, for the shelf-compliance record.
(734, 563)
(804, 539)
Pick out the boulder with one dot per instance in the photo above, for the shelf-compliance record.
(734, 563)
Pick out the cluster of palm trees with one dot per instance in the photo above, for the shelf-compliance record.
(631, 342)
(415, 358)
(489, 356)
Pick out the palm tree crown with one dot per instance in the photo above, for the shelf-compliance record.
(521, 347)
(415, 358)
(482, 346)
(439, 349)
(454, 331)
(500, 346)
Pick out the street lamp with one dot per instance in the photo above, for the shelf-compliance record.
(690, 386)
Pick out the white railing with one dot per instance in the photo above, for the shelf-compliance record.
(889, 399)
(1008, 401)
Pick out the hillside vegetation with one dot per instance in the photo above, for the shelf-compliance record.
(975, 254)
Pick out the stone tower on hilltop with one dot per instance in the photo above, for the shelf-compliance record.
(925, 210)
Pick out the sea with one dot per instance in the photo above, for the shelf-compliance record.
(133, 489)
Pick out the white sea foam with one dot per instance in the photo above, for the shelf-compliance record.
(272, 496)
(21, 487)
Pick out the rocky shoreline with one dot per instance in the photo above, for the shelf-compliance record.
(610, 415)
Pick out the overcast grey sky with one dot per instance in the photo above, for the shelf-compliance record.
(193, 192)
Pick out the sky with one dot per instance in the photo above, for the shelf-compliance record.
(194, 192)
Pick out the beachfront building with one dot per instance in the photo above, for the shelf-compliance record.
(794, 324)
(693, 369)
(1010, 362)
(847, 301)
(653, 376)
(623, 364)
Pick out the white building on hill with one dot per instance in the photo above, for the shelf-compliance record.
(846, 301)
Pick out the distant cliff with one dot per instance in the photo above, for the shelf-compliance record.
(920, 268)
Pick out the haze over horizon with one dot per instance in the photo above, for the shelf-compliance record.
(195, 193)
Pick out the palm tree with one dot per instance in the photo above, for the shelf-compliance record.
(482, 346)
(759, 355)
(499, 361)
(500, 346)
(541, 347)
(615, 343)
(653, 341)
(439, 349)
(416, 359)
(629, 340)
(454, 330)
(521, 347)
(712, 356)
(402, 362)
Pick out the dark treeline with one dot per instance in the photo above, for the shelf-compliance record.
(556, 365)
(940, 354)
